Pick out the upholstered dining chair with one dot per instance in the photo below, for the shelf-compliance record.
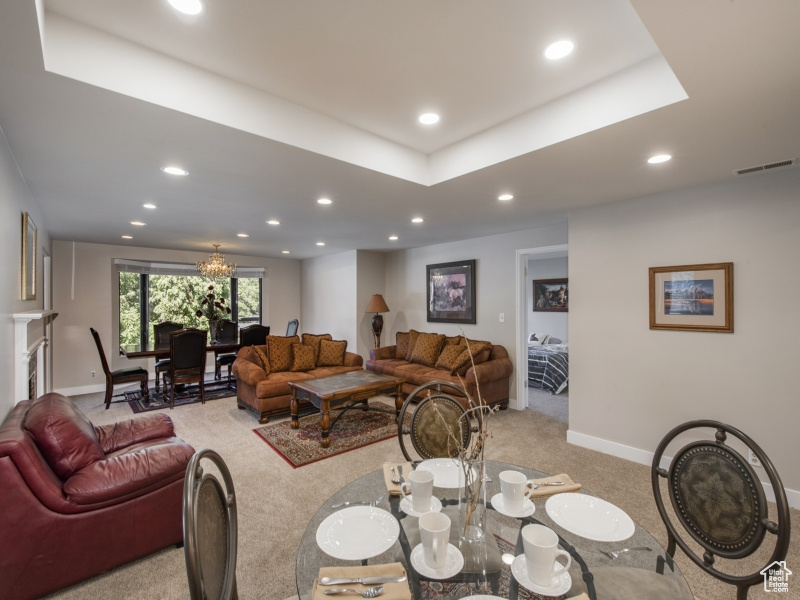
(228, 332)
(126, 375)
(254, 335)
(291, 328)
(161, 333)
(187, 353)
(209, 529)
(718, 502)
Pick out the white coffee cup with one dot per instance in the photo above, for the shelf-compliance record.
(420, 487)
(434, 530)
(513, 484)
(541, 554)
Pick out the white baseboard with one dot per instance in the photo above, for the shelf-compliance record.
(644, 457)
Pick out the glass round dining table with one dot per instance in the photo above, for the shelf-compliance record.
(648, 569)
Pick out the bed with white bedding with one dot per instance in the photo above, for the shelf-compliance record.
(548, 367)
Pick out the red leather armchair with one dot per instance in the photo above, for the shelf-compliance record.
(77, 500)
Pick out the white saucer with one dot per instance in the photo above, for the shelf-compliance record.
(454, 564)
(407, 506)
(528, 507)
(561, 583)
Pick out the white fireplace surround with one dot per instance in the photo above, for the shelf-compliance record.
(37, 350)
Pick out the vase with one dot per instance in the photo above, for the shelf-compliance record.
(213, 327)
(472, 503)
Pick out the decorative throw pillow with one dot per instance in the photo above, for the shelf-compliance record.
(480, 353)
(455, 340)
(262, 357)
(447, 358)
(302, 357)
(309, 339)
(538, 339)
(427, 348)
(401, 339)
(331, 353)
(280, 352)
(413, 334)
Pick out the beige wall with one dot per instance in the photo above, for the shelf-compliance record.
(371, 280)
(14, 200)
(96, 304)
(649, 381)
(329, 297)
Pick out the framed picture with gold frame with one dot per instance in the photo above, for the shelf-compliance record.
(692, 297)
(28, 258)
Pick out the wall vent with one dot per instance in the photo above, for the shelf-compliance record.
(774, 165)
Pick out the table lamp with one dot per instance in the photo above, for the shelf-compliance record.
(377, 305)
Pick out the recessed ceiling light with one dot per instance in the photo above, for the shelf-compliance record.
(273, 222)
(172, 170)
(428, 118)
(150, 206)
(320, 243)
(505, 197)
(284, 252)
(138, 223)
(243, 234)
(187, 7)
(658, 158)
(559, 49)
(127, 237)
(393, 237)
(324, 201)
(417, 220)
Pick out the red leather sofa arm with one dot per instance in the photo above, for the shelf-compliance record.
(134, 431)
(131, 473)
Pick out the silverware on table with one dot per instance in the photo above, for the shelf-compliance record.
(361, 580)
(349, 503)
(400, 474)
(544, 483)
(615, 553)
(368, 593)
(395, 478)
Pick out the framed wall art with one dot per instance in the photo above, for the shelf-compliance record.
(451, 292)
(692, 297)
(551, 295)
(28, 258)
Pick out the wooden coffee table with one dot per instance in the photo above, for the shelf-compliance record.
(341, 392)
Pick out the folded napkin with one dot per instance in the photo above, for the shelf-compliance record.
(394, 488)
(581, 597)
(549, 490)
(391, 591)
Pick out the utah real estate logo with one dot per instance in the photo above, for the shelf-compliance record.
(776, 577)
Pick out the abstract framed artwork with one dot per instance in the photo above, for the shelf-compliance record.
(28, 258)
(451, 292)
(551, 295)
(692, 297)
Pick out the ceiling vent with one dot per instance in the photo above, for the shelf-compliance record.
(774, 165)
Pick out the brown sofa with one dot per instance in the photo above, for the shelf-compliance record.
(420, 357)
(266, 392)
(77, 500)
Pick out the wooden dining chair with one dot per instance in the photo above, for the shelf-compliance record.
(228, 332)
(187, 353)
(126, 375)
(161, 333)
(254, 335)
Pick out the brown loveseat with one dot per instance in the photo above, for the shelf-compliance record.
(420, 357)
(263, 373)
(77, 500)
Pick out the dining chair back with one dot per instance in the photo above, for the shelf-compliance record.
(161, 333)
(126, 375)
(254, 335)
(717, 500)
(438, 422)
(228, 332)
(210, 535)
(291, 328)
(187, 353)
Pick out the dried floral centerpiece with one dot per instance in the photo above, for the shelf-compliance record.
(213, 308)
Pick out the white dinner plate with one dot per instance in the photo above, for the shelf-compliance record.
(357, 532)
(407, 506)
(590, 517)
(447, 472)
(561, 583)
(528, 507)
(452, 566)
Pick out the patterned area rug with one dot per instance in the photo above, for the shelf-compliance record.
(214, 390)
(355, 428)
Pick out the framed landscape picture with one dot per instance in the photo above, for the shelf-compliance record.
(551, 295)
(451, 292)
(692, 297)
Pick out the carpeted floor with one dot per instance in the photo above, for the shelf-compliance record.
(275, 501)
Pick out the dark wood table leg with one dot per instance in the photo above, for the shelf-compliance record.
(325, 423)
(294, 406)
(398, 402)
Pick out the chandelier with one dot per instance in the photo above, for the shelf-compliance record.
(216, 268)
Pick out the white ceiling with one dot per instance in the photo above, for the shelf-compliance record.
(272, 104)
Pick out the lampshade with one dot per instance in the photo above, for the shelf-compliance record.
(377, 304)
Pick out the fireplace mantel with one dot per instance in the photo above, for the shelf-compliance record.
(27, 350)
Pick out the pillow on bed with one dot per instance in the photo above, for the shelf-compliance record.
(538, 339)
(554, 340)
